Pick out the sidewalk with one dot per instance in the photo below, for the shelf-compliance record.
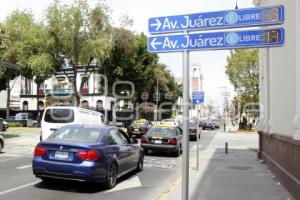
(238, 175)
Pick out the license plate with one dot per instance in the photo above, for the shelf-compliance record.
(61, 155)
(136, 133)
(157, 141)
(136, 129)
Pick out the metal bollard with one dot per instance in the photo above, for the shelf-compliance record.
(226, 147)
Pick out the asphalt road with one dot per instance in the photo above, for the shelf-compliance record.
(154, 182)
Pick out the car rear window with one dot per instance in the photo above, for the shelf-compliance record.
(76, 134)
(165, 132)
(59, 116)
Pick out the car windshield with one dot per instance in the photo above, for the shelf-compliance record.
(164, 132)
(59, 116)
(76, 134)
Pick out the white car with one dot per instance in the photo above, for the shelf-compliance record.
(59, 116)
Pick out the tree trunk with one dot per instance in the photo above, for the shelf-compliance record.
(76, 94)
(8, 97)
(37, 98)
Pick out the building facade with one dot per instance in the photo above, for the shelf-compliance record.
(279, 131)
(59, 91)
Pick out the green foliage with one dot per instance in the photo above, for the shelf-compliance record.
(130, 60)
(83, 36)
(78, 32)
(41, 66)
(243, 73)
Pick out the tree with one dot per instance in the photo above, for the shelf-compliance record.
(243, 73)
(79, 34)
(42, 67)
(15, 46)
(130, 60)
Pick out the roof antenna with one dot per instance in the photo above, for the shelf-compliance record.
(236, 5)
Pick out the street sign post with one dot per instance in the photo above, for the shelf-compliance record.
(217, 40)
(185, 42)
(218, 20)
(198, 98)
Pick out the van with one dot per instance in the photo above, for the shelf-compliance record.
(57, 117)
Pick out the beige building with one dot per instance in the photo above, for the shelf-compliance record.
(280, 100)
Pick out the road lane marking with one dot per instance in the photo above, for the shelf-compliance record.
(166, 195)
(195, 147)
(133, 182)
(24, 167)
(18, 188)
(9, 159)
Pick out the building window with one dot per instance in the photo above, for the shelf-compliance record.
(99, 106)
(41, 105)
(25, 105)
(85, 104)
(84, 85)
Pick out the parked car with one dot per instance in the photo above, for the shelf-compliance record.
(216, 124)
(5, 125)
(139, 128)
(2, 143)
(87, 153)
(163, 139)
(207, 125)
(193, 130)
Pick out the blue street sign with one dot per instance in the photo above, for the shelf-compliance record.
(198, 98)
(217, 40)
(218, 20)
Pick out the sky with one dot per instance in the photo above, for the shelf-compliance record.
(212, 62)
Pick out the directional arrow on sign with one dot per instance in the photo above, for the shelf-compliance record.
(154, 43)
(248, 17)
(217, 40)
(157, 24)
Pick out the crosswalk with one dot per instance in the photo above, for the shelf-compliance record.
(160, 162)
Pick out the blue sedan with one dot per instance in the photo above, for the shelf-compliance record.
(87, 153)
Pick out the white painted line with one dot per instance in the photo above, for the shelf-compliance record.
(9, 159)
(24, 167)
(133, 182)
(18, 188)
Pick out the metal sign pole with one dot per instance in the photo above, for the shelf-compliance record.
(197, 153)
(186, 97)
